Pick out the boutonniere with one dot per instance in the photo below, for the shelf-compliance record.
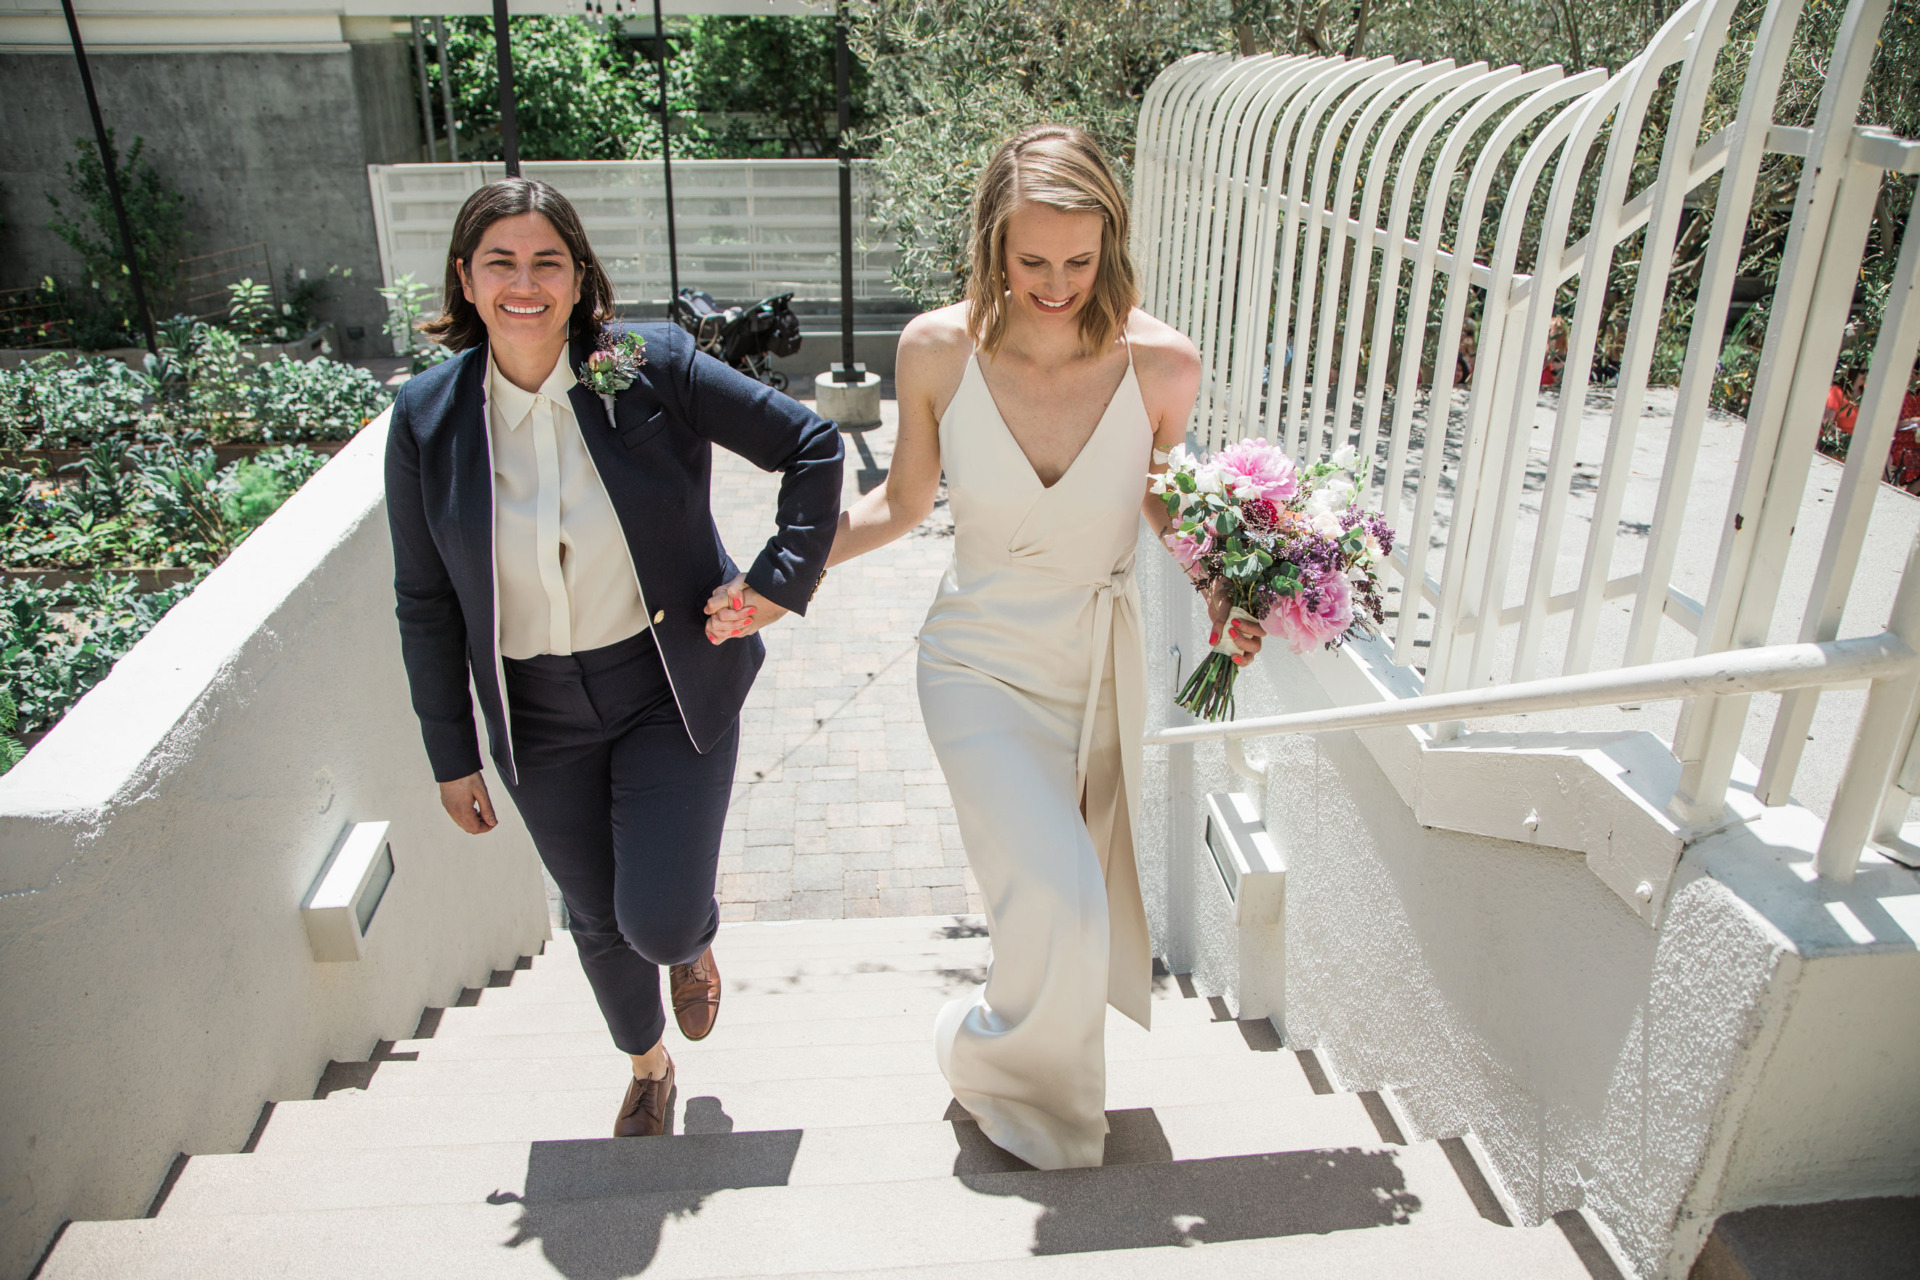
(613, 366)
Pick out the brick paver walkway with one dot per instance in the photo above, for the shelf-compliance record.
(839, 807)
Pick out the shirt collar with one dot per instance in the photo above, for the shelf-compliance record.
(515, 404)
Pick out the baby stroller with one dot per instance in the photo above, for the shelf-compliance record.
(745, 337)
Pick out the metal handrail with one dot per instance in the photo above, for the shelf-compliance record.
(1769, 669)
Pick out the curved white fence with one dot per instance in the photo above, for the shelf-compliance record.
(1343, 238)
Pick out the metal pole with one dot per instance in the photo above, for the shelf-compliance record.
(113, 181)
(426, 98)
(842, 77)
(446, 90)
(503, 59)
(666, 157)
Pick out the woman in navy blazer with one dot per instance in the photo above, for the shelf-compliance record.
(620, 758)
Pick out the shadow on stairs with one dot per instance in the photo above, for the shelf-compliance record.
(814, 1135)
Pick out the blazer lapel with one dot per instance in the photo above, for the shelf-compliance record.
(472, 455)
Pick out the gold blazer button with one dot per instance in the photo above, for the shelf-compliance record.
(660, 616)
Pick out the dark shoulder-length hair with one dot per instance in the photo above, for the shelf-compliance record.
(459, 325)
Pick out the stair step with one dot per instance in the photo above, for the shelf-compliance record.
(519, 1062)
(355, 1118)
(305, 1181)
(868, 1227)
(505, 1017)
(561, 986)
(1437, 1251)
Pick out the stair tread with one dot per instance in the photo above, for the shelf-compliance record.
(504, 1016)
(305, 1180)
(934, 1222)
(364, 1118)
(426, 1067)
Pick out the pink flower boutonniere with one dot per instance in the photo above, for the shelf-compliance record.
(612, 368)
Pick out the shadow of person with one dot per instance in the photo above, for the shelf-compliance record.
(598, 1207)
(1142, 1197)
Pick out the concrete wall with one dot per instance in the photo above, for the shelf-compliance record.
(265, 145)
(156, 984)
(1748, 1051)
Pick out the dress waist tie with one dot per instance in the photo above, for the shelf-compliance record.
(1113, 606)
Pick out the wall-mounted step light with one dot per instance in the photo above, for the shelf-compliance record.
(1253, 875)
(340, 906)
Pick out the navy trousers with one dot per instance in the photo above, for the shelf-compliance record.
(626, 815)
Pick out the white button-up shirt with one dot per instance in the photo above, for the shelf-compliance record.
(566, 578)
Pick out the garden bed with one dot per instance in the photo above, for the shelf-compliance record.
(120, 487)
(57, 463)
(323, 341)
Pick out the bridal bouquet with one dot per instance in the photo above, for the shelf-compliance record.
(1293, 548)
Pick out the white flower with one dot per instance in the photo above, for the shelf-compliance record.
(1325, 523)
(1244, 488)
(1157, 484)
(1208, 480)
(1371, 543)
(1344, 456)
(1179, 459)
(1329, 498)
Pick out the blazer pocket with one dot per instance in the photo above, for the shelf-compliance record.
(644, 430)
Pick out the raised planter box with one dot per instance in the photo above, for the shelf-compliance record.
(324, 341)
(57, 459)
(149, 578)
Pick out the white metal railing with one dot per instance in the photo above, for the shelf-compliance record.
(1301, 218)
(746, 228)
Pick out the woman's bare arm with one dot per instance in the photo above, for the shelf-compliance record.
(932, 356)
(1168, 369)
(923, 378)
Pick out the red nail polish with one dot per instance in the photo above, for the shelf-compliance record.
(1215, 637)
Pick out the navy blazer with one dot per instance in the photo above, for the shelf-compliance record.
(656, 460)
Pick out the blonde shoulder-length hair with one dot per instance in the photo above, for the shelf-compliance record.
(1061, 167)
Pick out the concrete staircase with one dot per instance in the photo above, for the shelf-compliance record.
(813, 1135)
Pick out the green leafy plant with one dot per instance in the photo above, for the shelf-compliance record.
(86, 223)
(185, 499)
(315, 399)
(408, 303)
(582, 92)
(59, 401)
(252, 312)
(11, 749)
(60, 642)
(258, 486)
(765, 87)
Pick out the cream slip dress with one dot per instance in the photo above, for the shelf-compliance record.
(1032, 686)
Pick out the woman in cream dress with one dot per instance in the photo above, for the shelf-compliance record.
(1046, 397)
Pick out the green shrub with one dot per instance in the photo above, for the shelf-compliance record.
(257, 487)
(49, 661)
(314, 399)
(63, 401)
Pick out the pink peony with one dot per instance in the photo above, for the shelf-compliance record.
(1268, 468)
(1307, 629)
(1187, 548)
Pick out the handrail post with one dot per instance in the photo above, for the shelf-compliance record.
(1860, 809)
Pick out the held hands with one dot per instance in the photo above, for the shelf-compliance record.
(736, 609)
(467, 803)
(1246, 635)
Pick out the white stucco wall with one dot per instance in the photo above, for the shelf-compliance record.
(156, 985)
(1747, 1051)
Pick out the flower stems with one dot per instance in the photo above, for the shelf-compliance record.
(1209, 691)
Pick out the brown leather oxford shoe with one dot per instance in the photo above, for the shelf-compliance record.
(696, 995)
(644, 1112)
